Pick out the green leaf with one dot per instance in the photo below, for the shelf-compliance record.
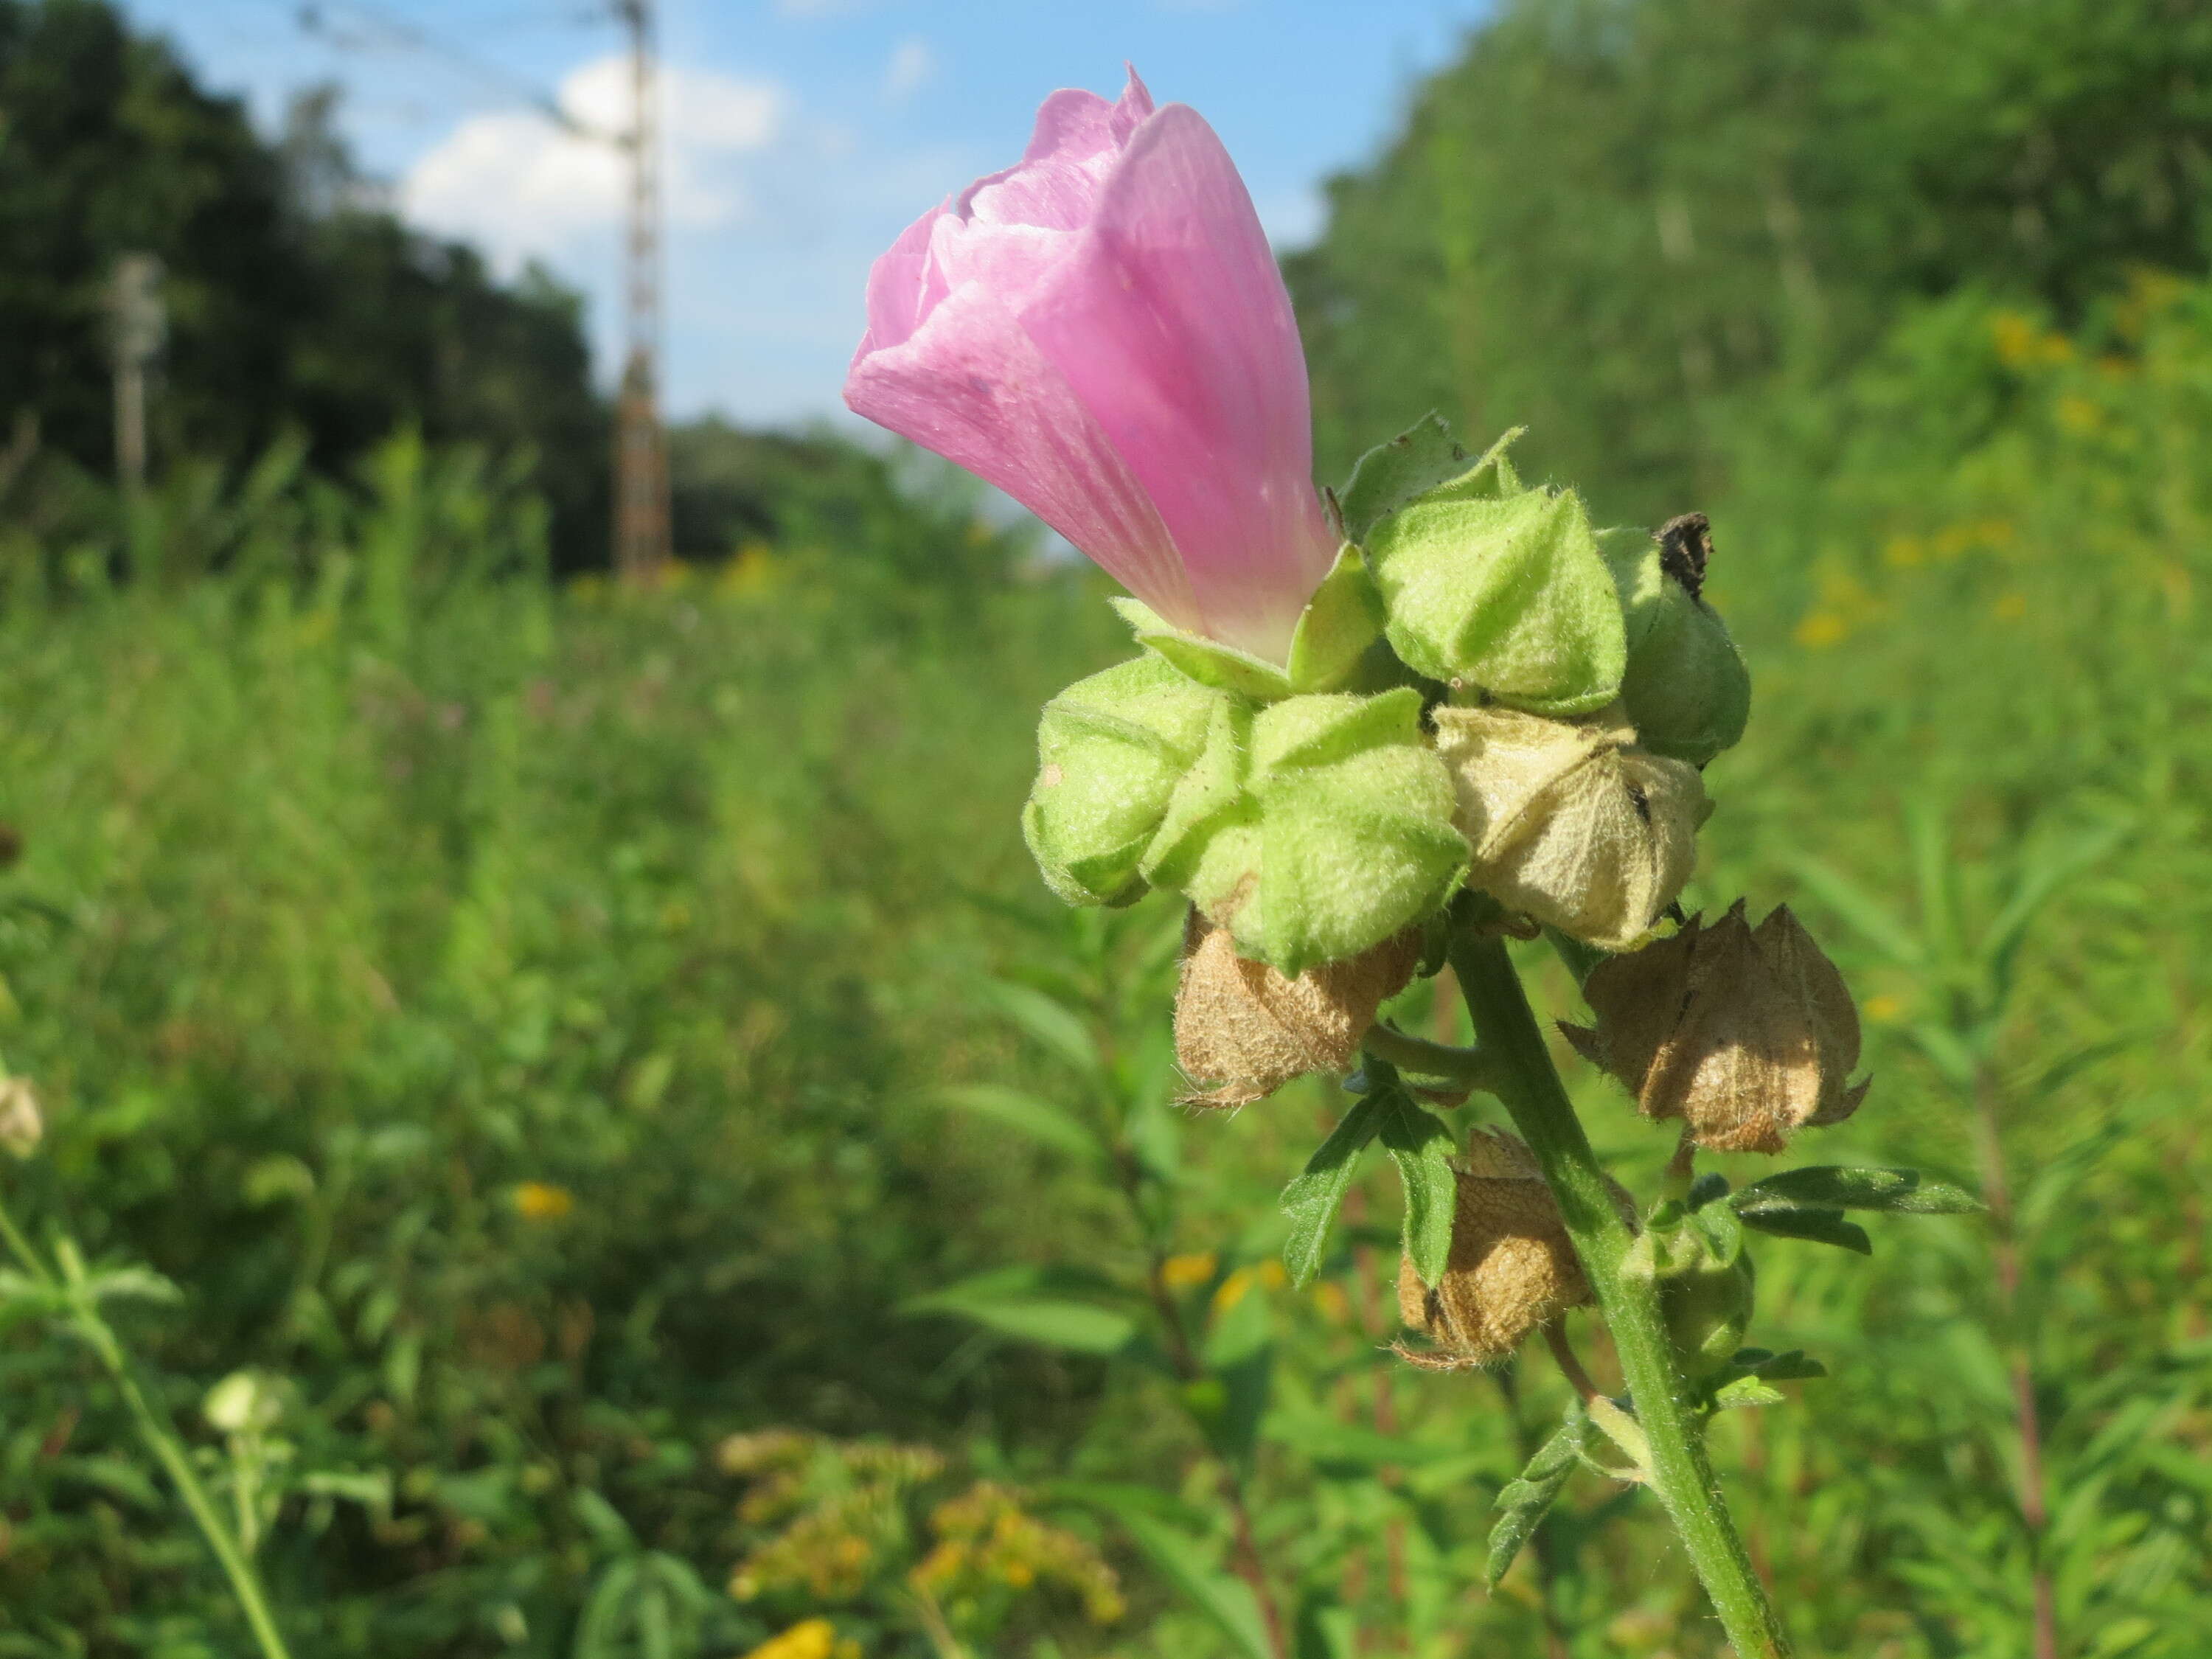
(1421, 1146)
(1860, 910)
(1837, 1187)
(1820, 1226)
(1032, 1115)
(1312, 1199)
(1053, 1026)
(1002, 1302)
(1178, 1556)
(1525, 1499)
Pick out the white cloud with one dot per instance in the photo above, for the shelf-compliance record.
(519, 185)
(912, 66)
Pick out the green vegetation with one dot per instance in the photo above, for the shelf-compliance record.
(603, 1069)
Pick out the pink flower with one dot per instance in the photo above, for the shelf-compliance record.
(1101, 332)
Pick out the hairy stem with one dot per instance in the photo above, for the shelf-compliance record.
(1530, 1085)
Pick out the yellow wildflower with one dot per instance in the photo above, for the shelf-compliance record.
(1821, 629)
(813, 1638)
(542, 1200)
(1188, 1272)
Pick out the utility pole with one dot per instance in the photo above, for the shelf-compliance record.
(140, 326)
(640, 461)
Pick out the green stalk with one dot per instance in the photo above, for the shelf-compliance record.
(1526, 1080)
(153, 1429)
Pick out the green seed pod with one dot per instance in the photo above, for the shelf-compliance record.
(1313, 828)
(1501, 591)
(1686, 690)
(1707, 1306)
(1111, 750)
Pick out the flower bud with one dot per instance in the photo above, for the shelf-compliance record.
(1111, 750)
(22, 1125)
(1501, 591)
(1570, 821)
(1686, 690)
(1511, 1268)
(1249, 1029)
(1707, 1308)
(1313, 829)
(1747, 1034)
(245, 1403)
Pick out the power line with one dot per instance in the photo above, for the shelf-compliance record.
(641, 519)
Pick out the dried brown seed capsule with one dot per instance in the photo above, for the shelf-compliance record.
(1570, 821)
(1511, 1268)
(1249, 1029)
(1747, 1034)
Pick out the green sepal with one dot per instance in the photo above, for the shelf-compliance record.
(1506, 596)
(1207, 661)
(1111, 750)
(1312, 828)
(1422, 458)
(1344, 618)
(1684, 684)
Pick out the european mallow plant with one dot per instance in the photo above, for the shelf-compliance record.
(1367, 732)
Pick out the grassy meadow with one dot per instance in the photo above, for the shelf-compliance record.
(601, 1065)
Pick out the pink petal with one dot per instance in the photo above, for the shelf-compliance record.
(969, 385)
(900, 285)
(1171, 324)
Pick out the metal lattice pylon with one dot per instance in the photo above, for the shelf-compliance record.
(641, 459)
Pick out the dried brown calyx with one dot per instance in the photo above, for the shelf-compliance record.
(1247, 1030)
(1570, 821)
(1512, 1267)
(1746, 1033)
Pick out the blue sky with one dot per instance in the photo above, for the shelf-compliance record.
(803, 134)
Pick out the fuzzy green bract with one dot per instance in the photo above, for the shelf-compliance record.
(1110, 751)
(1488, 587)
(1686, 687)
(1312, 828)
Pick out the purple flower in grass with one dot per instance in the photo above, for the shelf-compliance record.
(1101, 332)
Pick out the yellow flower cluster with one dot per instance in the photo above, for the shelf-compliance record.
(988, 1544)
(835, 1506)
(813, 1638)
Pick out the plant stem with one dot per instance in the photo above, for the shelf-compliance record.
(1530, 1087)
(153, 1428)
(1468, 1066)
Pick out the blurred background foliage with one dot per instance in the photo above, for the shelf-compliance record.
(604, 1059)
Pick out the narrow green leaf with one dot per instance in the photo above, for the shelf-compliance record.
(1315, 1193)
(1873, 920)
(1050, 1022)
(1525, 1499)
(1178, 1557)
(1421, 1146)
(1032, 1115)
(1837, 1187)
(1048, 1320)
(1820, 1226)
